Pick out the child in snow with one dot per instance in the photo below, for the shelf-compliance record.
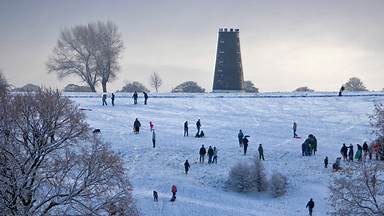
(151, 126)
(173, 190)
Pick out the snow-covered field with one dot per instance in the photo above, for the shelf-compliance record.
(333, 120)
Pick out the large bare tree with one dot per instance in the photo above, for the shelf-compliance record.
(358, 190)
(90, 52)
(108, 51)
(51, 165)
(156, 81)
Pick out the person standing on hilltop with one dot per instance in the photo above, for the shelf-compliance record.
(135, 97)
(145, 97)
(198, 126)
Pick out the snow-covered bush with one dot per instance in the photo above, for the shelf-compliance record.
(278, 184)
(240, 179)
(258, 176)
(27, 88)
(76, 88)
(248, 177)
(304, 89)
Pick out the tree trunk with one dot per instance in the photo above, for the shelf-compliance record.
(104, 85)
(93, 89)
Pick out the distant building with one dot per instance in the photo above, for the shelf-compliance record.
(228, 68)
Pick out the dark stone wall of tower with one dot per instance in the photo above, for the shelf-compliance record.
(228, 67)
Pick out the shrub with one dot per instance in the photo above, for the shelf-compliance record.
(278, 184)
(188, 86)
(249, 87)
(134, 86)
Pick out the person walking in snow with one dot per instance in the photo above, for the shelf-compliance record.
(186, 128)
(310, 205)
(198, 126)
(314, 144)
(240, 136)
(341, 91)
(294, 127)
(145, 98)
(344, 151)
(350, 152)
(186, 166)
(155, 196)
(202, 153)
(151, 126)
(214, 155)
(210, 154)
(173, 190)
(326, 162)
(104, 99)
(153, 138)
(245, 144)
(113, 99)
(135, 97)
(136, 126)
(261, 152)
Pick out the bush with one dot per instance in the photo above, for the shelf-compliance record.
(248, 177)
(258, 176)
(240, 179)
(355, 84)
(27, 88)
(188, 86)
(278, 184)
(249, 87)
(304, 89)
(76, 88)
(134, 86)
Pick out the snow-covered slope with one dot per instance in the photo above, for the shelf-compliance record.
(333, 120)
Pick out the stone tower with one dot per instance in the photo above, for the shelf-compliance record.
(228, 68)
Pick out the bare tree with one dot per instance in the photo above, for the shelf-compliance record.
(49, 163)
(377, 120)
(239, 178)
(4, 86)
(108, 49)
(156, 81)
(354, 84)
(258, 175)
(73, 55)
(359, 190)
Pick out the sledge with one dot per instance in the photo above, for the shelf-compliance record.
(85, 109)
(173, 199)
(297, 137)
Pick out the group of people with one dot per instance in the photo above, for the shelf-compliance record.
(104, 99)
(212, 154)
(135, 96)
(309, 146)
(361, 154)
(173, 190)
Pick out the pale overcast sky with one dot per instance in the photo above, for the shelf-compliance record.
(285, 44)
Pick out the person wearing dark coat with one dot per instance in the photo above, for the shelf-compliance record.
(261, 152)
(344, 151)
(294, 127)
(153, 138)
(113, 99)
(135, 97)
(210, 154)
(326, 162)
(214, 155)
(198, 125)
(341, 91)
(202, 153)
(365, 149)
(240, 136)
(186, 128)
(104, 98)
(186, 166)
(145, 97)
(136, 126)
(314, 144)
(350, 152)
(310, 205)
(245, 144)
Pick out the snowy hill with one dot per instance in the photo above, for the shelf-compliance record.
(333, 120)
